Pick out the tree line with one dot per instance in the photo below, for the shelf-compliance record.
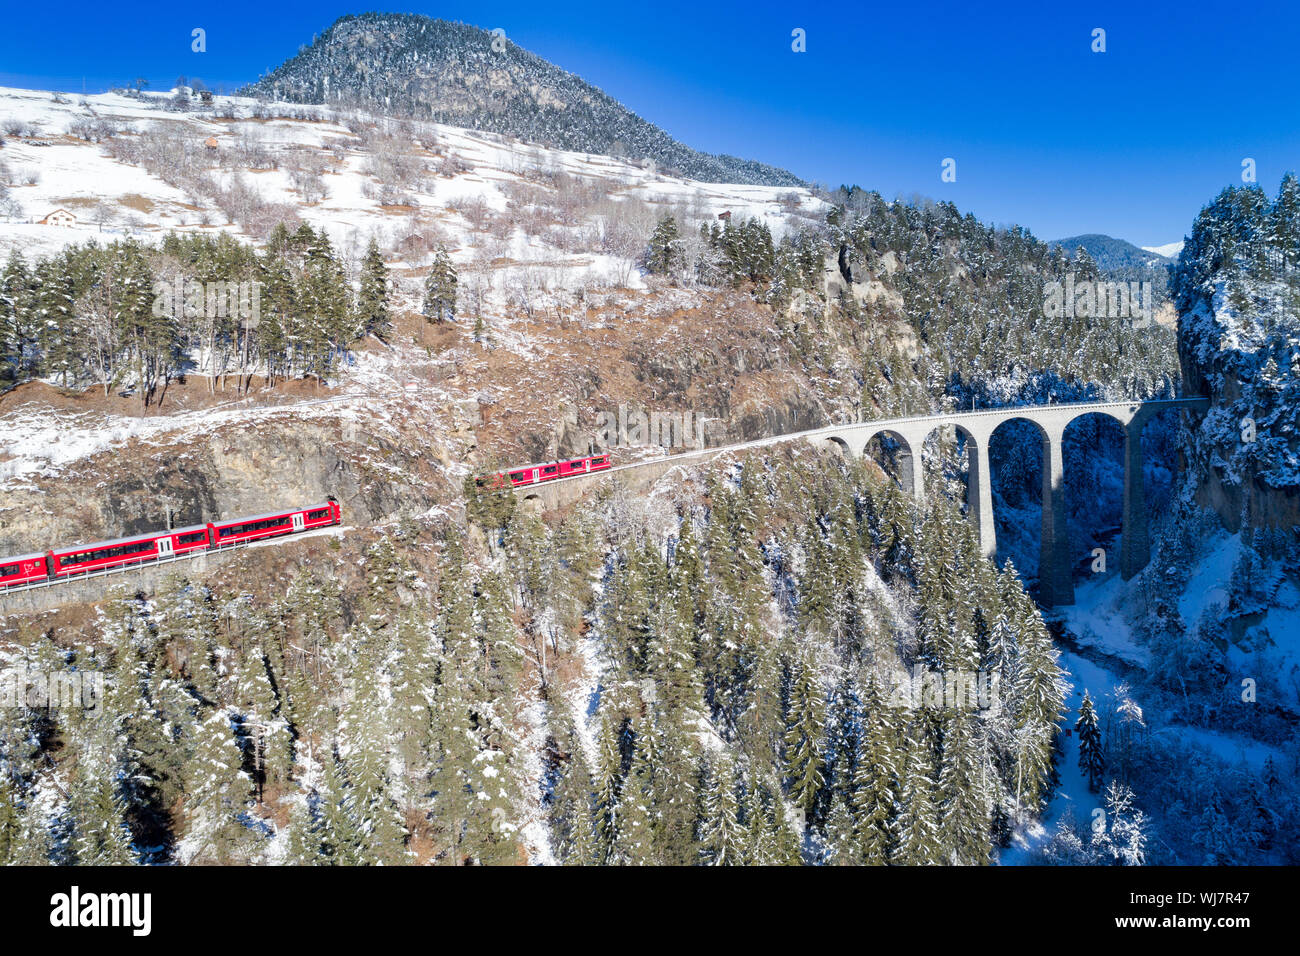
(109, 315)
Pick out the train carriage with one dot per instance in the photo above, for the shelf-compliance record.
(274, 523)
(252, 528)
(84, 558)
(582, 466)
(24, 569)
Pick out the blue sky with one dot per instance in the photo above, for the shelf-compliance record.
(1045, 133)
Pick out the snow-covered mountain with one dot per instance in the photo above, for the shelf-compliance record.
(429, 69)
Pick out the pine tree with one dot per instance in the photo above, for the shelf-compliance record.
(842, 837)
(414, 692)
(876, 772)
(340, 838)
(265, 733)
(917, 838)
(1091, 758)
(373, 795)
(218, 791)
(152, 755)
(305, 846)
(10, 818)
(608, 782)
(372, 300)
(805, 725)
(722, 837)
(101, 836)
(1284, 221)
(503, 658)
(18, 319)
(56, 298)
(572, 811)
(440, 289)
(965, 793)
(325, 300)
(671, 661)
(1037, 699)
(492, 832)
(633, 826)
(457, 747)
(664, 253)
(672, 750)
(786, 844)
(454, 696)
(279, 332)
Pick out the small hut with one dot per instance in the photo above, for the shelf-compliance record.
(59, 217)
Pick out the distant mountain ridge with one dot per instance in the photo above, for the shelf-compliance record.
(1111, 254)
(410, 65)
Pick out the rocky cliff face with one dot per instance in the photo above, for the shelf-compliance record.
(1238, 293)
(737, 366)
(231, 471)
(1240, 456)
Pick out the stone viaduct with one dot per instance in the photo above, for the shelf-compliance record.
(977, 427)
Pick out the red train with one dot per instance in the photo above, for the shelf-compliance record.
(550, 471)
(62, 563)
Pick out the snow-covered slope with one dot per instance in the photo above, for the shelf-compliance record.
(500, 200)
(1170, 250)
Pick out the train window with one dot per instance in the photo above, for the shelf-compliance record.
(193, 537)
(121, 551)
(516, 476)
(549, 470)
(318, 515)
(9, 570)
(251, 526)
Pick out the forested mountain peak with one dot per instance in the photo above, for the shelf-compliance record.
(461, 75)
(1110, 253)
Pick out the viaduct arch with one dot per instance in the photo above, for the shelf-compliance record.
(1055, 586)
